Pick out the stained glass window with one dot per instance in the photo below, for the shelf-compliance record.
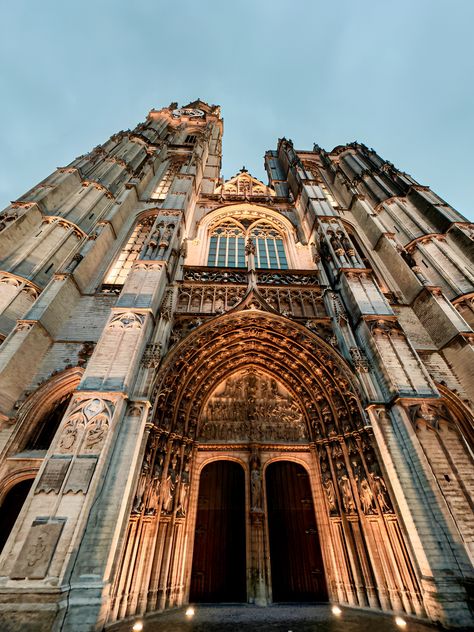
(227, 245)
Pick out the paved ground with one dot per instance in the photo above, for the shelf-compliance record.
(276, 618)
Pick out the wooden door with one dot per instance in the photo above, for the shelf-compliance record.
(295, 553)
(219, 564)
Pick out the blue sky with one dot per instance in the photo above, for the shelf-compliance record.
(397, 76)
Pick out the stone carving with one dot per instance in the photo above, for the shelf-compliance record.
(69, 436)
(85, 352)
(53, 475)
(205, 299)
(328, 486)
(24, 325)
(345, 487)
(286, 278)
(80, 475)
(360, 360)
(95, 436)
(37, 552)
(169, 485)
(152, 356)
(256, 494)
(252, 407)
(126, 320)
(90, 417)
(214, 276)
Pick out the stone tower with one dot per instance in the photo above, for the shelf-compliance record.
(233, 391)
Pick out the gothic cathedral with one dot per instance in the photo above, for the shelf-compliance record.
(232, 391)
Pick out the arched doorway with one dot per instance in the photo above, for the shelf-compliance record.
(11, 507)
(295, 554)
(219, 561)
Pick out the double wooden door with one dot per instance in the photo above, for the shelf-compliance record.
(219, 559)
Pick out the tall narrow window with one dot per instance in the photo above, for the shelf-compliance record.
(164, 185)
(128, 255)
(150, 239)
(270, 251)
(227, 245)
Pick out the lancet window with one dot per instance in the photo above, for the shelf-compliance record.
(149, 240)
(164, 185)
(227, 245)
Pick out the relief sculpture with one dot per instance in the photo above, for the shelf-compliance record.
(252, 407)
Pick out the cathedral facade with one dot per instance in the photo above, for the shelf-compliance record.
(232, 391)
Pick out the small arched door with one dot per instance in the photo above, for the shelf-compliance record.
(11, 507)
(295, 553)
(219, 561)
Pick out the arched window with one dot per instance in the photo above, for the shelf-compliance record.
(11, 506)
(269, 248)
(227, 245)
(149, 239)
(45, 429)
(164, 185)
(228, 239)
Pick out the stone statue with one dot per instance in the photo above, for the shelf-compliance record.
(330, 493)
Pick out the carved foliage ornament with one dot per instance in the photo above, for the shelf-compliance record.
(86, 426)
(126, 320)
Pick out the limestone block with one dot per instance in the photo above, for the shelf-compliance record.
(459, 354)
(397, 365)
(20, 357)
(414, 329)
(144, 286)
(16, 297)
(362, 295)
(88, 318)
(113, 364)
(439, 317)
(25, 226)
(55, 305)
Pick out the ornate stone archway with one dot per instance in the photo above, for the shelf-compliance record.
(365, 557)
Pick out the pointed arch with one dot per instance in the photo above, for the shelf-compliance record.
(42, 402)
(308, 365)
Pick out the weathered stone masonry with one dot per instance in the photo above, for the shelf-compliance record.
(155, 318)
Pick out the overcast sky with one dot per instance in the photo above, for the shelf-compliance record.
(395, 75)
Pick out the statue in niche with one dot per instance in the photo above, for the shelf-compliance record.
(255, 483)
(155, 484)
(330, 492)
(184, 489)
(381, 493)
(366, 496)
(345, 486)
(166, 238)
(169, 485)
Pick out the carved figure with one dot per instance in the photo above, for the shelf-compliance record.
(381, 493)
(256, 486)
(168, 492)
(68, 437)
(330, 493)
(366, 496)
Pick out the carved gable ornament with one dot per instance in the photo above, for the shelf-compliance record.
(244, 184)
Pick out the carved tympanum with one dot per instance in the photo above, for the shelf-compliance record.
(250, 406)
